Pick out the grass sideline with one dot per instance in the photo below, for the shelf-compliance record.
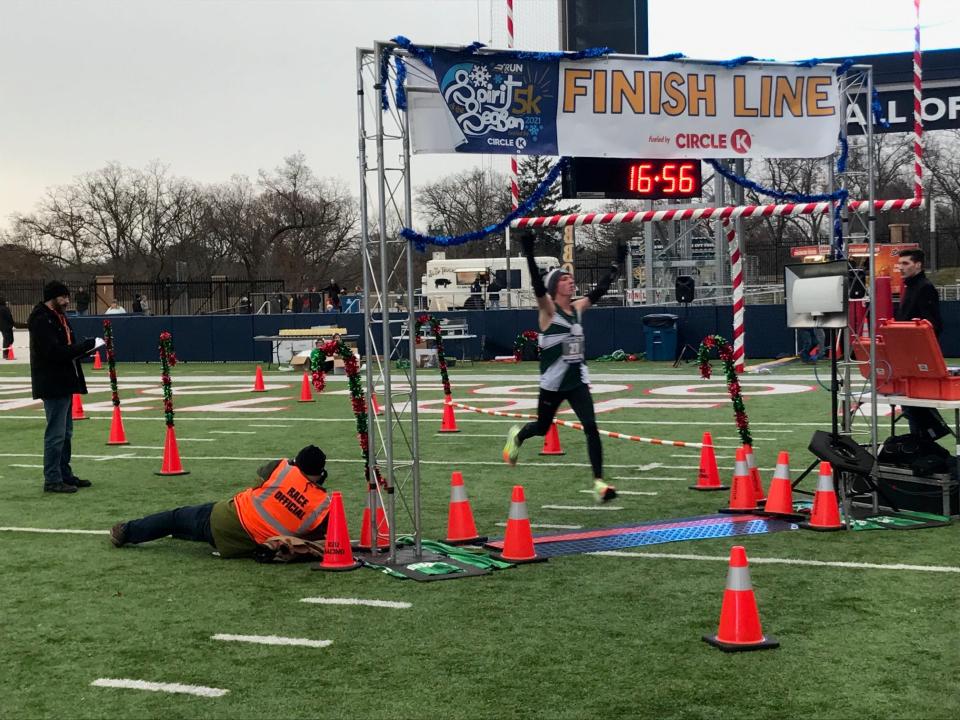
(580, 636)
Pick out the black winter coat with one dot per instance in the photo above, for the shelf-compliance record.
(920, 300)
(54, 363)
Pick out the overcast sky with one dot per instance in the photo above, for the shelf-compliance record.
(214, 88)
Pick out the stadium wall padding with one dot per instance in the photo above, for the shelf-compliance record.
(229, 338)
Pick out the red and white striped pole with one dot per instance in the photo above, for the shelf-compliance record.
(917, 109)
(736, 280)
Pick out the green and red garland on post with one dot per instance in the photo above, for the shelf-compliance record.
(524, 340)
(111, 362)
(171, 454)
(117, 434)
(437, 331)
(725, 351)
(168, 358)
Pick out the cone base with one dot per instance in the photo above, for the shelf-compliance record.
(819, 528)
(264, 390)
(534, 559)
(180, 472)
(708, 488)
(337, 568)
(479, 539)
(768, 643)
(556, 452)
(311, 400)
(118, 442)
(445, 430)
(80, 417)
(737, 511)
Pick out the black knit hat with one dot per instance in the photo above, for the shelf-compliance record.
(54, 289)
(311, 460)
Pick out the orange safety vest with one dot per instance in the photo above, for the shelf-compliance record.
(285, 504)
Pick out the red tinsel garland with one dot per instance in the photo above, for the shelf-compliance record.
(437, 330)
(111, 362)
(168, 359)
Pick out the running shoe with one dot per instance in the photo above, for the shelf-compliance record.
(602, 492)
(512, 449)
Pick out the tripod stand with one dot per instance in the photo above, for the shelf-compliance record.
(847, 456)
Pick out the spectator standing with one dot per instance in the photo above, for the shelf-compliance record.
(144, 305)
(493, 293)
(333, 293)
(82, 301)
(7, 324)
(137, 306)
(55, 376)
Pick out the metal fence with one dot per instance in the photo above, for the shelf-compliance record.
(163, 297)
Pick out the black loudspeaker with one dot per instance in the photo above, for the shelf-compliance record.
(686, 289)
(858, 283)
(842, 452)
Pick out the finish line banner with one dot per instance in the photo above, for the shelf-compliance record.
(624, 108)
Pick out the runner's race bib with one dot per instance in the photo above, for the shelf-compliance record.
(573, 345)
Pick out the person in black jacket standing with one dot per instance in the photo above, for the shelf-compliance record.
(7, 324)
(919, 299)
(55, 375)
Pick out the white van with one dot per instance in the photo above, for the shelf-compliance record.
(446, 285)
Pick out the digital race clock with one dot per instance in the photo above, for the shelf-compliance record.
(615, 178)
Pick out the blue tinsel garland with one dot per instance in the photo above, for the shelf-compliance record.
(420, 241)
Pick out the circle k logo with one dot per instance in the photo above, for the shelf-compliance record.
(740, 141)
(521, 143)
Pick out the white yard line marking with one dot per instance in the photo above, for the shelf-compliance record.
(123, 456)
(233, 432)
(272, 640)
(625, 492)
(718, 457)
(54, 530)
(268, 426)
(785, 561)
(27, 466)
(159, 687)
(648, 477)
(581, 507)
(262, 458)
(547, 526)
(394, 604)
(196, 439)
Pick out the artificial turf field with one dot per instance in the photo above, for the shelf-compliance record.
(579, 636)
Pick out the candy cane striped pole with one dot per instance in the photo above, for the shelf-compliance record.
(705, 213)
(514, 185)
(736, 280)
(917, 109)
(578, 426)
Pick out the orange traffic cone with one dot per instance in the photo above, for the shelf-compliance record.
(337, 554)
(97, 364)
(449, 423)
(780, 499)
(742, 499)
(377, 410)
(10, 353)
(383, 530)
(77, 412)
(551, 442)
(826, 512)
(708, 478)
(305, 394)
(739, 618)
(117, 435)
(171, 456)
(258, 381)
(755, 475)
(518, 542)
(461, 529)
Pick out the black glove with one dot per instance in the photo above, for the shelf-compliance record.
(603, 287)
(527, 239)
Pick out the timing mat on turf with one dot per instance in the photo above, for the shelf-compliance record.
(653, 533)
